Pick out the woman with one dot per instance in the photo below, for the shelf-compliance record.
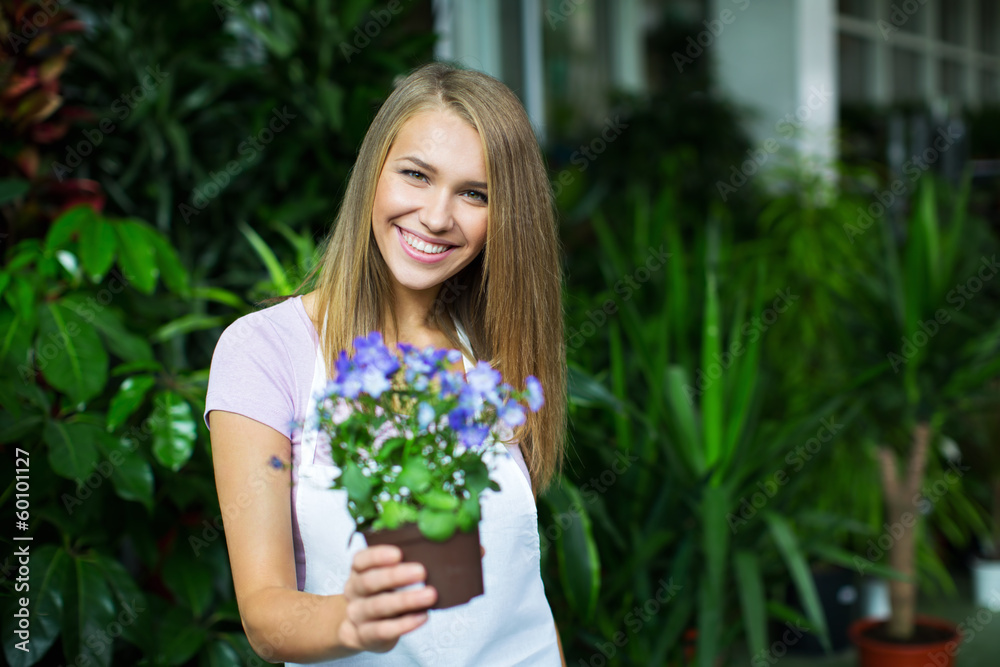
(445, 237)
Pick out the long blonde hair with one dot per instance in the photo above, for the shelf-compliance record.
(508, 299)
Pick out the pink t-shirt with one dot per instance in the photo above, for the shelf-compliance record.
(262, 368)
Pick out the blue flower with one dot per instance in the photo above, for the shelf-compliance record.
(373, 381)
(483, 378)
(535, 399)
(276, 463)
(459, 418)
(512, 414)
(473, 436)
(425, 415)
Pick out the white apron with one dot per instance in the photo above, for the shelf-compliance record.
(510, 624)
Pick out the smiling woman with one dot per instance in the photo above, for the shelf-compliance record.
(445, 237)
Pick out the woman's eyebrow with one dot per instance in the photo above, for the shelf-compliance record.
(426, 167)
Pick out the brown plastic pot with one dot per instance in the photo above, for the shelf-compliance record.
(873, 652)
(454, 567)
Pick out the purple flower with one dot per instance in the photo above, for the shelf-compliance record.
(459, 418)
(373, 381)
(535, 399)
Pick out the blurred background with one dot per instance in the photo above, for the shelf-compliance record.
(779, 224)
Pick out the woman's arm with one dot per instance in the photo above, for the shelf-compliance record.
(281, 622)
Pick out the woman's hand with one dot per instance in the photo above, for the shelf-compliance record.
(377, 614)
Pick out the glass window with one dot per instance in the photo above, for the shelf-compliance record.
(951, 76)
(907, 79)
(854, 68)
(989, 86)
(951, 19)
(988, 24)
(861, 9)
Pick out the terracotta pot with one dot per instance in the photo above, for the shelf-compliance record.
(454, 567)
(875, 652)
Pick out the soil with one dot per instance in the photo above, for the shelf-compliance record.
(922, 634)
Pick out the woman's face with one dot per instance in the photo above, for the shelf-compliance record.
(431, 194)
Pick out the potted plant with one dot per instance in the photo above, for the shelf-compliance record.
(981, 419)
(916, 313)
(414, 442)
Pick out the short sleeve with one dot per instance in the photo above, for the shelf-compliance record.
(252, 374)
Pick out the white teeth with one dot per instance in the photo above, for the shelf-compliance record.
(414, 242)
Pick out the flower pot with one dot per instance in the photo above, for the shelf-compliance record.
(454, 567)
(935, 643)
(986, 583)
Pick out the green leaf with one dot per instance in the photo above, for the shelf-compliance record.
(175, 276)
(752, 599)
(69, 353)
(98, 242)
(132, 476)
(437, 525)
(174, 430)
(128, 399)
(396, 514)
(788, 547)
(130, 601)
(180, 637)
(190, 579)
(73, 449)
(468, 514)
(186, 324)
(331, 96)
(415, 475)
(439, 499)
(576, 550)
(137, 255)
(274, 268)
(89, 610)
(11, 188)
(219, 653)
(46, 582)
(70, 222)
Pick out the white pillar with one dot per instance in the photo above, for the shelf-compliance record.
(778, 59)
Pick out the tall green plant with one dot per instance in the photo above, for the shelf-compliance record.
(924, 340)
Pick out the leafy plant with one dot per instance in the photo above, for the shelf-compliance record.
(925, 338)
(433, 470)
(125, 561)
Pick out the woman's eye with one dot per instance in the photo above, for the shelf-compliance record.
(413, 173)
(478, 196)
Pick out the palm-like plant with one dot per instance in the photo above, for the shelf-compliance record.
(923, 340)
(704, 444)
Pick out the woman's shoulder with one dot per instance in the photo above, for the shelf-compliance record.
(280, 324)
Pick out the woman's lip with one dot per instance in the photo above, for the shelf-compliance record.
(420, 256)
(427, 240)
